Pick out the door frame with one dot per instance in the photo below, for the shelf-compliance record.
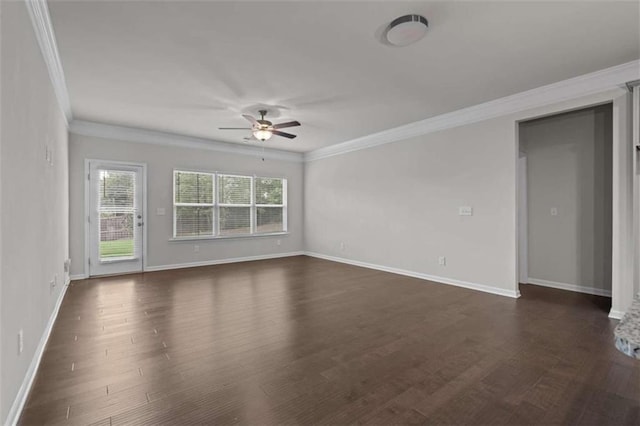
(622, 269)
(523, 224)
(87, 208)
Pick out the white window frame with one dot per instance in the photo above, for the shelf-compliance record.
(253, 206)
(212, 205)
(283, 205)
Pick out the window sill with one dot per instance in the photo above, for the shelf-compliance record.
(227, 237)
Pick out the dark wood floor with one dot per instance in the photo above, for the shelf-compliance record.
(301, 341)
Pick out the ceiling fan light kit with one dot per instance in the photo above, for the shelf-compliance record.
(406, 30)
(262, 134)
(263, 129)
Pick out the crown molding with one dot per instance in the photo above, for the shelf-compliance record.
(584, 85)
(132, 134)
(41, 21)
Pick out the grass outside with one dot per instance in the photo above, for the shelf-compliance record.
(116, 248)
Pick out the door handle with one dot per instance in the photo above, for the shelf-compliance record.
(140, 223)
(139, 216)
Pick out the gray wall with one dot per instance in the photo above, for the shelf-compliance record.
(569, 159)
(161, 160)
(34, 198)
(396, 205)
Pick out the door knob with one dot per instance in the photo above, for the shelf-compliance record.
(139, 216)
(140, 224)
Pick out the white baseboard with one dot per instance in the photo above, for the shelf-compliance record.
(442, 280)
(222, 261)
(77, 277)
(616, 314)
(23, 392)
(570, 287)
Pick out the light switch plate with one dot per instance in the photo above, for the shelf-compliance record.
(465, 211)
(554, 211)
(160, 211)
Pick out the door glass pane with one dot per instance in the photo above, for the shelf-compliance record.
(116, 235)
(116, 209)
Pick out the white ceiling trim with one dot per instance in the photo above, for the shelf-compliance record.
(41, 21)
(131, 134)
(584, 85)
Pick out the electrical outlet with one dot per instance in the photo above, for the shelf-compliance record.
(52, 285)
(196, 248)
(554, 211)
(342, 245)
(442, 261)
(278, 242)
(67, 265)
(20, 341)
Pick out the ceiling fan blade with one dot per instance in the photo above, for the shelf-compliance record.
(234, 128)
(287, 124)
(251, 119)
(283, 134)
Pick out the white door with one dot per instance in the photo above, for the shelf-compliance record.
(116, 218)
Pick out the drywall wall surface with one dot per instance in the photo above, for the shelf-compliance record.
(161, 161)
(569, 187)
(34, 191)
(397, 205)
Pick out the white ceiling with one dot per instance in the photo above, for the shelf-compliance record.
(191, 67)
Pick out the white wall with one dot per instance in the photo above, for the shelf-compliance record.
(161, 160)
(34, 198)
(396, 205)
(569, 158)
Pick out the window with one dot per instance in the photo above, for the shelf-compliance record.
(194, 204)
(235, 204)
(223, 205)
(270, 206)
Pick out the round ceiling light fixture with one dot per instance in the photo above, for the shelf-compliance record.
(263, 133)
(406, 30)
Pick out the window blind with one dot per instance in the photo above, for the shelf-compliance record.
(116, 215)
(215, 204)
(269, 200)
(194, 204)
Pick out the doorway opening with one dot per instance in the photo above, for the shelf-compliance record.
(565, 182)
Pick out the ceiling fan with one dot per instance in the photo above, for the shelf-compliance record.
(263, 129)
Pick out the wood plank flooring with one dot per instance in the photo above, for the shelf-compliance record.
(306, 341)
